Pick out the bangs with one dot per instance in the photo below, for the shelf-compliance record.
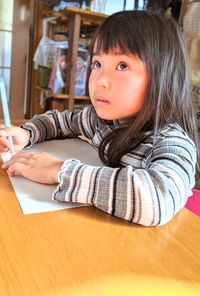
(116, 37)
(104, 43)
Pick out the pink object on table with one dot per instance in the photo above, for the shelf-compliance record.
(193, 203)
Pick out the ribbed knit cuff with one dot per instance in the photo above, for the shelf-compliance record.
(31, 139)
(62, 191)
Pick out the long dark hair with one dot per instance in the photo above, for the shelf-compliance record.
(157, 40)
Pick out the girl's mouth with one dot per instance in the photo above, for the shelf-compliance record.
(100, 101)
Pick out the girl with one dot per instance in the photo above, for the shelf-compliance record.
(142, 123)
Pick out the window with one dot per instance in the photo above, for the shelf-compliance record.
(6, 19)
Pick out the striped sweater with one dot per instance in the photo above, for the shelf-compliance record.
(151, 186)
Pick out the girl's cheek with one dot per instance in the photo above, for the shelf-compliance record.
(91, 88)
(91, 82)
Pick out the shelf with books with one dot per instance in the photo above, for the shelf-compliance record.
(75, 28)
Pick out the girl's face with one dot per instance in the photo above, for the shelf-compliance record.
(117, 85)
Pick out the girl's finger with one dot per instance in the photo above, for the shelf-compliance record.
(3, 133)
(16, 168)
(12, 161)
(4, 142)
(23, 154)
(3, 148)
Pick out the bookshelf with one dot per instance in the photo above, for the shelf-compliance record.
(74, 22)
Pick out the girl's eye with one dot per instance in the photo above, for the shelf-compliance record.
(122, 67)
(95, 65)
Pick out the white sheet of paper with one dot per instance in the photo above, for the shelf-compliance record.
(36, 198)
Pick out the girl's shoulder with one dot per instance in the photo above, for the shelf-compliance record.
(172, 131)
(172, 128)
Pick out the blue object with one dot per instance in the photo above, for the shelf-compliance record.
(62, 5)
(83, 6)
(6, 113)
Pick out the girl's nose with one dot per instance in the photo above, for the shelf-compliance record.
(103, 81)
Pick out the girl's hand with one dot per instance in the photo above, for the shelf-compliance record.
(20, 138)
(38, 167)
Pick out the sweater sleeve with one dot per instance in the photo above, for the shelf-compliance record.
(54, 124)
(149, 196)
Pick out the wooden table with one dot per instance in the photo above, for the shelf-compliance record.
(84, 251)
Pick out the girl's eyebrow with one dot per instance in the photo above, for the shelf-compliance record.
(96, 54)
(100, 54)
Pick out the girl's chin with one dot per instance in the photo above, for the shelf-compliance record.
(109, 117)
(105, 116)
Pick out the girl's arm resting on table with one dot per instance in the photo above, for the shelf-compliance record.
(54, 124)
(150, 196)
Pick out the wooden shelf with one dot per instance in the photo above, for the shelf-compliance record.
(62, 96)
(70, 10)
(74, 20)
(66, 97)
